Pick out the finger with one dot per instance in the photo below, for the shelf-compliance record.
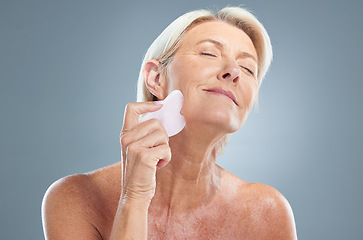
(148, 157)
(162, 163)
(133, 110)
(154, 139)
(161, 152)
(141, 130)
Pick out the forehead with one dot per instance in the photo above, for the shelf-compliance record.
(229, 35)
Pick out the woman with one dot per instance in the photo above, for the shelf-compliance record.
(171, 188)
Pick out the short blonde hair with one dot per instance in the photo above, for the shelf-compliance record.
(166, 44)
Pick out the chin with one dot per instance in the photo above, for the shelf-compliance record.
(223, 120)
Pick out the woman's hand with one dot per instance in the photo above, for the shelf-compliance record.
(144, 147)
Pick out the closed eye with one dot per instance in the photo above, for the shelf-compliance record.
(207, 54)
(248, 70)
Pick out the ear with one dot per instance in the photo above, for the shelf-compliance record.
(155, 79)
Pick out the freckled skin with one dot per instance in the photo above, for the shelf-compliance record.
(194, 197)
(237, 212)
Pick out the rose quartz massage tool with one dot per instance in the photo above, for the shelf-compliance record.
(169, 114)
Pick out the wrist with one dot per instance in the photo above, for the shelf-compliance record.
(135, 203)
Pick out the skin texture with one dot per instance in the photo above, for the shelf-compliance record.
(171, 188)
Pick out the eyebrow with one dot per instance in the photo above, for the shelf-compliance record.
(219, 44)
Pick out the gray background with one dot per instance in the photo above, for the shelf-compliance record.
(68, 68)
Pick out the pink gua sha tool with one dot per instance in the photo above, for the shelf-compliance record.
(169, 114)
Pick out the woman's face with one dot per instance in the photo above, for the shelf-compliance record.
(216, 70)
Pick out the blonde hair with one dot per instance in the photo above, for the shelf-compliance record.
(166, 44)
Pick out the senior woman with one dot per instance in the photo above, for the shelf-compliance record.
(171, 187)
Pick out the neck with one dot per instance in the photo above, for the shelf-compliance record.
(191, 177)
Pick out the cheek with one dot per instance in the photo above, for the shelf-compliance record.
(191, 99)
(185, 78)
(249, 92)
(187, 71)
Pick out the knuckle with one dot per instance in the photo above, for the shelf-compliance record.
(167, 154)
(137, 151)
(142, 155)
(161, 127)
(129, 107)
(164, 135)
(158, 125)
(132, 148)
(123, 139)
(164, 148)
(168, 149)
(155, 122)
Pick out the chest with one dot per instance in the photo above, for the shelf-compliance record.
(215, 224)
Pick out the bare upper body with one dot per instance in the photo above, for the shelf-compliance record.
(84, 206)
(170, 187)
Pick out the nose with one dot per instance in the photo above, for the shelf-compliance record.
(230, 73)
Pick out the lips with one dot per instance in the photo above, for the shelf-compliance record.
(227, 93)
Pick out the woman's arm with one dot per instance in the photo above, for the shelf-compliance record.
(144, 147)
(67, 209)
(130, 221)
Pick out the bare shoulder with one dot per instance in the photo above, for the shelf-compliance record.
(273, 214)
(263, 211)
(67, 209)
(270, 198)
(81, 206)
(69, 190)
